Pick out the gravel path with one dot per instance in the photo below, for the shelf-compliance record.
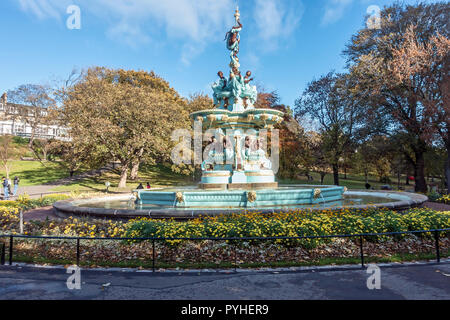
(40, 214)
(436, 206)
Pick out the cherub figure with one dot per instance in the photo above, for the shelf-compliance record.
(219, 89)
(249, 92)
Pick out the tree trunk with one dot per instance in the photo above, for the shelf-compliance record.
(419, 173)
(134, 170)
(135, 165)
(30, 143)
(447, 169)
(322, 177)
(336, 174)
(123, 176)
(6, 170)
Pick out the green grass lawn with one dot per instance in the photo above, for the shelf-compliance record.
(34, 172)
(157, 176)
(352, 181)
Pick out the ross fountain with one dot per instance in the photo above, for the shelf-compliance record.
(236, 172)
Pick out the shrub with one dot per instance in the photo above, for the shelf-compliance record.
(433, 196)
(293, 224)
(26, 203)
(444, 199)
(8, 203)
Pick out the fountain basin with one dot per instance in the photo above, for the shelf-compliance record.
(239, 198)
(123, 206)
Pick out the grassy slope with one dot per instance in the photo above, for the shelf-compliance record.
(352, 181)
(158, 175)
(29, 172)
(36, 173)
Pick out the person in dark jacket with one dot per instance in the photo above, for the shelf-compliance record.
(5, 184)
(16, 185)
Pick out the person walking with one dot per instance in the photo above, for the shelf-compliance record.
(16, 185)
(2, 181)
(5, 183)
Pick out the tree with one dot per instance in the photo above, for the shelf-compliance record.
(370, 57)
(314, 155)
(378, 151)
(195, 102)
(34, 102)
(292, 143)
(265, 99)
(425, 66)
(74, 154)
(5, 153)
(124, 114)
(329, 102)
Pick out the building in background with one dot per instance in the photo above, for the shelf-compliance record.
(13, 121)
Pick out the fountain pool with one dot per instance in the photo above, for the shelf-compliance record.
(125, 206)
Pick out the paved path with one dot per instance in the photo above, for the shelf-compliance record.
(437, 206)
(411, 281)
(41, 214)
(36, 191)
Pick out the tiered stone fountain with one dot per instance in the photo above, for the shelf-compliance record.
(237, 173)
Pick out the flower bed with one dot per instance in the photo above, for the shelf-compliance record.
(177, 252)
(293, 224)
(26, 203)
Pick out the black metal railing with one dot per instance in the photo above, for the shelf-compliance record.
(154, 240)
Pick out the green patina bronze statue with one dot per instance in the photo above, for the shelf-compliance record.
(236, 93)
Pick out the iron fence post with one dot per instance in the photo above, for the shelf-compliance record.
(235, 257)
(11, 250)
(154, 255)
(436, 240)
(361, 250)
(2, 258)
(78, 252)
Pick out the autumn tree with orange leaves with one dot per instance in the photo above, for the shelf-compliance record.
(402, 69)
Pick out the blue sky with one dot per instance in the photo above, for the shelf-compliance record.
(286, 43)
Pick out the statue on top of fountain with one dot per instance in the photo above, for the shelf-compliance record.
(235, 93)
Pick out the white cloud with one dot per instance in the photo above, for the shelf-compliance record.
(40, 8)
(192, 22)
(276, 20)
(136, 21)
(335, 10)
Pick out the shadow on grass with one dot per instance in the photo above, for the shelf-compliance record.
(157, 175)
